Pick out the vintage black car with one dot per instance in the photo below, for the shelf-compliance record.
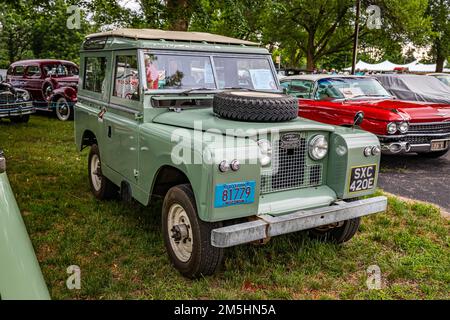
(15, 104)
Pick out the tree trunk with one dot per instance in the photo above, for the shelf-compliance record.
(310, 51)
(178, 15)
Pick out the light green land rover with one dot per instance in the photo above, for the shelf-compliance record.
(200, 120)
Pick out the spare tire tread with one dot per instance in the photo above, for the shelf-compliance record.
(255, 109)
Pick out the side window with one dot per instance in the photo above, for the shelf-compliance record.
(301, 88)
(94, 74)
(33, 72)
(126, 77)
(19, 71)
(10, 71)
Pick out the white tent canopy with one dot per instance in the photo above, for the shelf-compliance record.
(387, 66)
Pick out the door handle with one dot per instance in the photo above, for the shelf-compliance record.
(109, 131)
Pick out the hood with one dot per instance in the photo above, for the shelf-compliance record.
(204, 119)
(410, 110)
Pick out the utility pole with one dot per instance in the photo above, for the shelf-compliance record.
(356, 36)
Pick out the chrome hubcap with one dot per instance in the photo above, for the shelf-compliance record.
(180, 232)
(63, 109)
(96, 176)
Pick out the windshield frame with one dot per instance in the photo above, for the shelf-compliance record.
(211, 56)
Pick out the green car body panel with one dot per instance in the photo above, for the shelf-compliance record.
(136, 139)
(20, 275)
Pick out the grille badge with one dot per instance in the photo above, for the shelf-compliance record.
(290, 140)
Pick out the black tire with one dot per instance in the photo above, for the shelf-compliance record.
(20, 119)
(255, 106)
(63, 110)
(434, 155)
(204, 259)
(337, 235)
(106, 189)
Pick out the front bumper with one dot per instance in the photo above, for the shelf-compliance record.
(411, 143)
(267, 226)
(16, 109)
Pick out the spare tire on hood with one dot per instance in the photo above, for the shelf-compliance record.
(255, 106)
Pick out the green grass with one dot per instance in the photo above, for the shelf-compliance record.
(120, 250)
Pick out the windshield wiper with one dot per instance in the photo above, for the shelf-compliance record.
(371, 95)
(186, 92)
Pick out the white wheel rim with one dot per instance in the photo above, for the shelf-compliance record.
(63, 109)
(177, 218)
(95, 173)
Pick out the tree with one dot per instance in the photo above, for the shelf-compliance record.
(439, 11)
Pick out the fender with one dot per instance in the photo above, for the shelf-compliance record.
(67, 92)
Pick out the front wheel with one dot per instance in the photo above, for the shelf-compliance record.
(101, 187)
(20, 119)
(63, 110)
(186, 237)
(338, 233)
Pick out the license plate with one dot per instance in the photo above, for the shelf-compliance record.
(438, 145)
(362, 178)
(230, 194)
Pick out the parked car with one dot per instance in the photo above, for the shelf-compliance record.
(200, 120)
(20, 275)
(443, 77)
(15, 104)
(412, 87)
(52, 84)
(401, 126)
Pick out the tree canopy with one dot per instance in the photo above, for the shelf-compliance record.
(307, 34)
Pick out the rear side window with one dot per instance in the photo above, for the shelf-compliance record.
(19, 70)
(33, 71)
(94, 74)
(126, 78)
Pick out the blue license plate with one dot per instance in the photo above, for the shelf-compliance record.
(230, 194)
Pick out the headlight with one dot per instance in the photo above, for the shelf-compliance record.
(392, 128)
(376, 151)
(403, 127)
(368, 151)
(23, 95)
(318, 147)
(224, 166)
(265, 149)
(2, 163)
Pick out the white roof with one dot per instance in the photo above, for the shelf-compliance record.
(156, 34)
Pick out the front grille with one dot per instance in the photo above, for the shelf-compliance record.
(424, 139)
(436, 127)
(289, 169)
(6, 99)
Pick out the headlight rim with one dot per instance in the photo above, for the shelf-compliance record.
(312, 146)
(402, 123)
(390, 124)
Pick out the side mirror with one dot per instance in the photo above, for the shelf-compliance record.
(359, 118)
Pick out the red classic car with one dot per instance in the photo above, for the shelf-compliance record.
(52, 84)
(401, 126)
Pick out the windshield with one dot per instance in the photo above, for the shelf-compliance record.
(178, 71)
(349, 88)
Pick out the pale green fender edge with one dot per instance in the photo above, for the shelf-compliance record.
(20, 275)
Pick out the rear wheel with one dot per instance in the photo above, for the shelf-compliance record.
(101, 187)
(337, 233)
(187, 238)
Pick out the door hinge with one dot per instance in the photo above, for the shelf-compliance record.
(136, 173)
(138, 116)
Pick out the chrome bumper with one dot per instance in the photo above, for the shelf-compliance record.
(16, 109)
(268, 226)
